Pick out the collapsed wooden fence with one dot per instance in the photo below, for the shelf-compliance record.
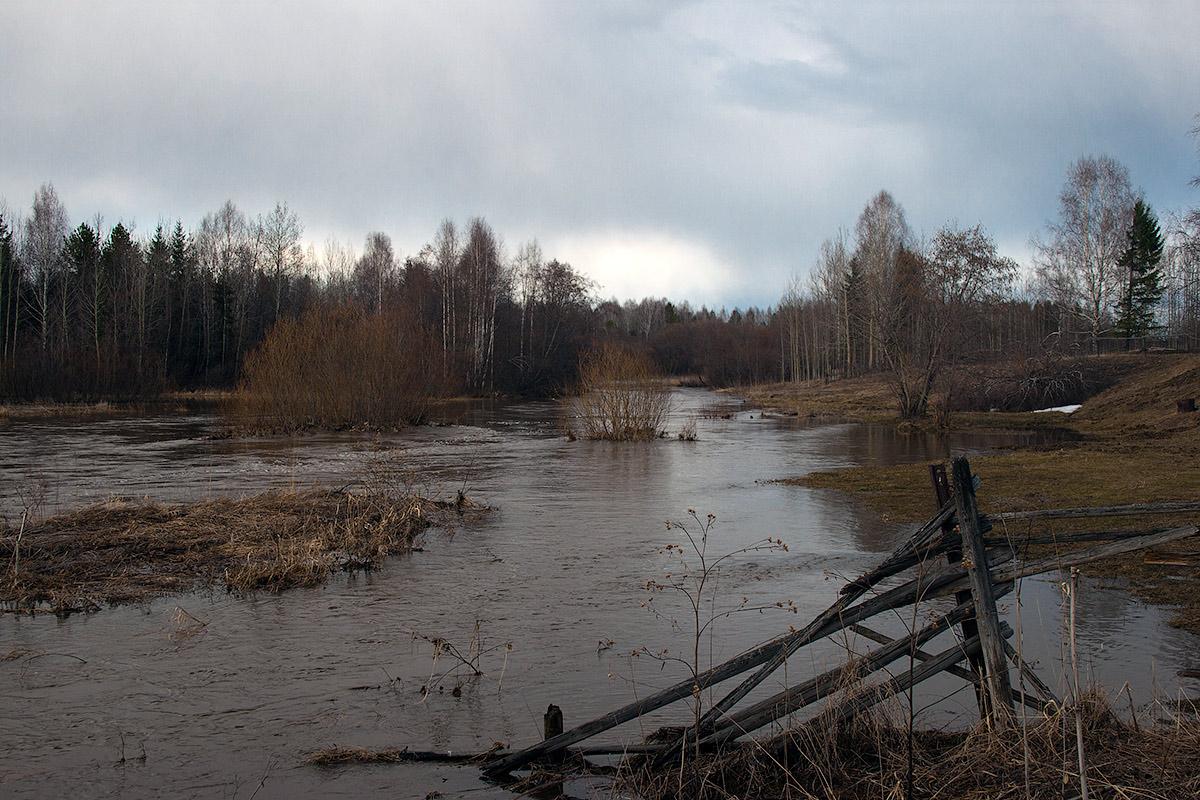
(951, 555)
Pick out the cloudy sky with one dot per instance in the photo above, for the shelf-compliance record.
(695, 150)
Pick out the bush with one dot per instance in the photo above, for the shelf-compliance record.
(1045, 381)
(621, 395)
(338, 367)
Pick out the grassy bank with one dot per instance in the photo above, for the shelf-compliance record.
(131, 552)
(1126, 444)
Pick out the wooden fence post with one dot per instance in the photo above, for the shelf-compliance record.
(999, 691)
(552, 725)
(969, 628)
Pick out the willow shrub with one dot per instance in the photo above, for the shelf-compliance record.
(622, 396)
(338, 367)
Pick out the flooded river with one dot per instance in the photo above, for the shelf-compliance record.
(228, 698)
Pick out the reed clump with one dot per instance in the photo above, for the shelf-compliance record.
(622, 396)
(122, 552)
(869, 758)
(338, 367)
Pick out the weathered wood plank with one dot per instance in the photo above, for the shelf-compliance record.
(937, 584)
(1025, 569)
(943, 494)
(1037, 703)
(796, 697)
(999, 690)
(1074, 537)
(877, 694)
(1096, 511)
(907, 555)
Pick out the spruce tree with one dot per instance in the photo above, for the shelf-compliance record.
(1141, 277)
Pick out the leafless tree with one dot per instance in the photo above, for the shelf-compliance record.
(643, 317)
(1182, 263)
(11, 271)
(528, 275)
(936, 298)
(445, 252)
(281, 232)
(880, 234)
(1181, 274)
(337, 266)
(229, 252)
(42, 251)
(375, 271)
(1077, 259)
(832, 285)
(485, 279)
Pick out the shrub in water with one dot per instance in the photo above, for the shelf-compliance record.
(621, 395)
(338, 367)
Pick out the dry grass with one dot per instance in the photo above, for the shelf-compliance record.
(125, 552)
(867, 398)
(43, 410)
(868, 759)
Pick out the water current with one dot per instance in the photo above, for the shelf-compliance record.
(550, 585)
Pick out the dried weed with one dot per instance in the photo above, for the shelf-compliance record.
(120, 552)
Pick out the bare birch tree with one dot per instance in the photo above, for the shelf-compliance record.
(1077, 260)
(281, 232)
(42, 252)
(880, 233)
(446, 251)
(375, 272)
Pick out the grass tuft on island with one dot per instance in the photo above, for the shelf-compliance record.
(121, 552)
(1127, 443)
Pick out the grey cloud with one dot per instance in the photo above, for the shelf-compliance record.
(555, 119)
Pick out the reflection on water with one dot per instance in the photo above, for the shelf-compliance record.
(127, 702)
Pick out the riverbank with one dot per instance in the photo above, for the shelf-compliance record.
(120, 552)
(1128, 443)
(875, 757)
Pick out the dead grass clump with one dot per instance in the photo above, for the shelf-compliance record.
(869, 759)
(622, 397)
(122, 552)
(337, 756)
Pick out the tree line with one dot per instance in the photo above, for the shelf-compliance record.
(86, 313)
(90, 313)
(880, 298)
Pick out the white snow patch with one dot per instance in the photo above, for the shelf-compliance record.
(1063, 409)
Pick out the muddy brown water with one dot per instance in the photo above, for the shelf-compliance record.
(142, 701)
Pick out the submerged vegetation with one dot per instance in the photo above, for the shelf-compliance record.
(121, 552)
(622, 397)
(338, 367)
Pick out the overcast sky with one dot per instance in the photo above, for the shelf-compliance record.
(694, 150)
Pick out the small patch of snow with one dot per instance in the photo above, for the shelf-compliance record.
(1063, 409)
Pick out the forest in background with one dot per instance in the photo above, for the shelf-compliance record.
(88, 313)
